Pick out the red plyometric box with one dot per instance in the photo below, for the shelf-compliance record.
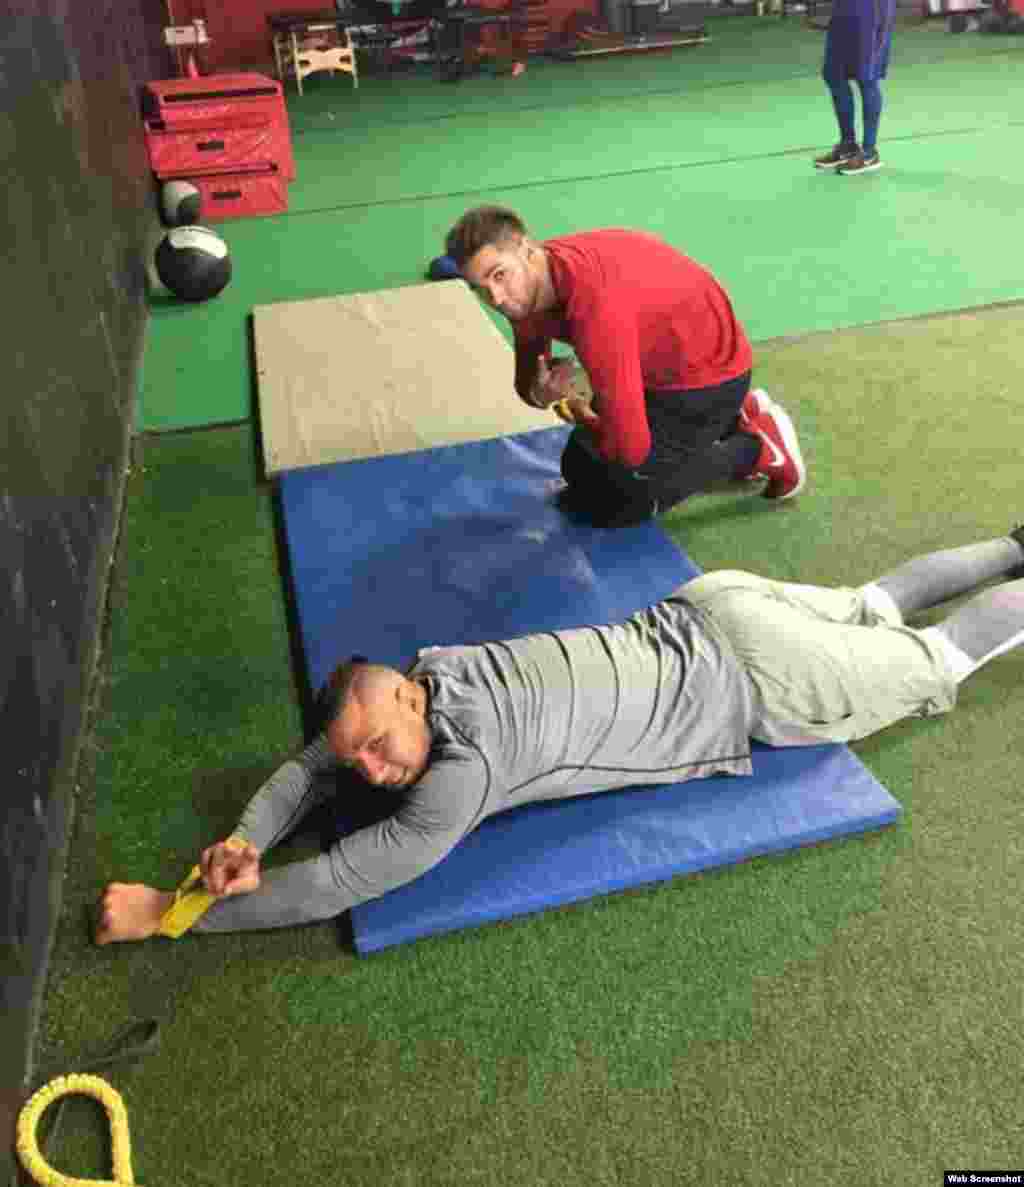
(221, 150)
(186, 102)
(212, 122)
(241, 195)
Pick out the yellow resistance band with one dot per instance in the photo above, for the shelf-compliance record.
(561, 408)
(120, 1141)
(191, 901)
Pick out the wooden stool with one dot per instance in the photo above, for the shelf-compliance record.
(300, 50)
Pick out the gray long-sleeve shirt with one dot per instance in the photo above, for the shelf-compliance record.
(658, 698)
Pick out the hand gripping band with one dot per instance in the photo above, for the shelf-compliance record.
(191, 901)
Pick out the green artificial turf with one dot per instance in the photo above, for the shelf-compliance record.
(845, 1013)
(710, 148)
(600, 136)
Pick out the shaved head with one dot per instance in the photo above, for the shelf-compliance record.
(347, 680)
(375, 721)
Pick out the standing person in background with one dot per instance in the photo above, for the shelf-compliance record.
(857, 47)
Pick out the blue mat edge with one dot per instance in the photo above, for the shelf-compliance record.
(383, 939)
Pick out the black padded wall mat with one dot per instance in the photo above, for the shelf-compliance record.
(79, 225)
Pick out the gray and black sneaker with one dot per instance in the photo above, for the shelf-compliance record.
(840, 155)
(861, 162)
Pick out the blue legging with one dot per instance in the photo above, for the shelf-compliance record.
(871, 102)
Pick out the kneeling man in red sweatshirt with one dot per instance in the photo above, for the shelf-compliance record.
(672, 411)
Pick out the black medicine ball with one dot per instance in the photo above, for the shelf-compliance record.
(193, 262)
(180, 203)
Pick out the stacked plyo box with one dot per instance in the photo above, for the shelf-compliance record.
(225, 133)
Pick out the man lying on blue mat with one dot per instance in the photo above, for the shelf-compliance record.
(668, 362)
(673, 693)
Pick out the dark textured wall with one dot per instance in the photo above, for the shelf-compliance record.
(79, 225)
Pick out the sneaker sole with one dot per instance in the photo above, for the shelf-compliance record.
(858, 172)
(789, 439)
(834, 165)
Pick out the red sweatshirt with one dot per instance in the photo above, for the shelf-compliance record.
(640, 316)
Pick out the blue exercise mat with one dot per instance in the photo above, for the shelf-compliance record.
(465, 544)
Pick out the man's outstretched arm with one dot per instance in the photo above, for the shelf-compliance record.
(299, 892)
(135, 911)
(359, 867)
(443, 807)
(129, 911)
(437, 814)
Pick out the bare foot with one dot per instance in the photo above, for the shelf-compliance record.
(130, 911)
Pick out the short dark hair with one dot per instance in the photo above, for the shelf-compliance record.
(333, 694)
(479, 227)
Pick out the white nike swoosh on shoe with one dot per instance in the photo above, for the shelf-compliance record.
(778, 457)
(789, 438)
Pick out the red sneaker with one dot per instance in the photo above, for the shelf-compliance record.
(781, 461)
(755, 402)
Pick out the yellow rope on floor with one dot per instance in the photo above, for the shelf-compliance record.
(120, 1141)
